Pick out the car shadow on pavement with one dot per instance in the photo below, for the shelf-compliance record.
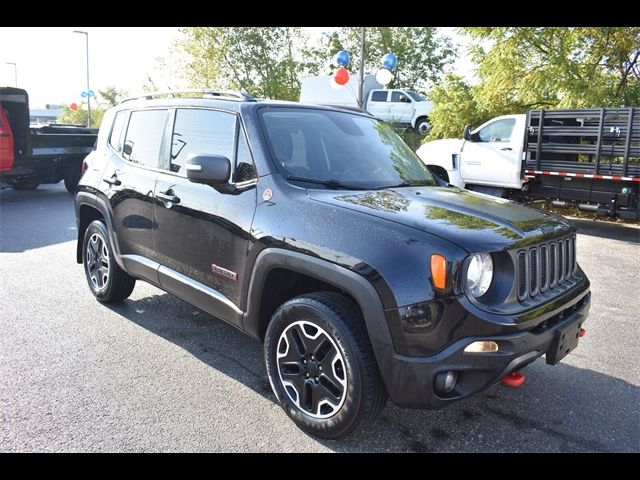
(612, 231)
(562, 408)
(35, 219)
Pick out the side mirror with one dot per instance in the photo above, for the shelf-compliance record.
(466, 133)
(127, 148)
(213, 170)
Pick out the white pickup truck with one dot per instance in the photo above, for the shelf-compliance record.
(396, 105)
(587, 157)
(490, 155)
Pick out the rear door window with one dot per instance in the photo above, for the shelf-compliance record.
(143, 142)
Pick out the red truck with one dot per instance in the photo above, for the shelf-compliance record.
(30, 156)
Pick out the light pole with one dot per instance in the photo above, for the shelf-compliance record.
(15, 72)
(361, 78)
(88, 89)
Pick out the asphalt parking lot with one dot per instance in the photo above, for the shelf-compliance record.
(156, 374)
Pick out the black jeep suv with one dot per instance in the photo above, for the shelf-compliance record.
(320, 233)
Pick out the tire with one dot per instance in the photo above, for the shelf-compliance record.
(110, 285)
(343, 367)
(422, 126)
(25, 185)
(72, 177)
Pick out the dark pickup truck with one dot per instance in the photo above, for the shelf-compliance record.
(319, 232)
(30, 156)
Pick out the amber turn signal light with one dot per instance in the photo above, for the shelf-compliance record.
(438, 271)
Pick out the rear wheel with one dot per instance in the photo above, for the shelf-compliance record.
(72, 176)
(107, 281)
(25, 185)
(321, 365)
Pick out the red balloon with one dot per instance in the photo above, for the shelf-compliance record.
(73, 106)
(341, 76)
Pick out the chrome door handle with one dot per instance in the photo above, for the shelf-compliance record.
(168, 197)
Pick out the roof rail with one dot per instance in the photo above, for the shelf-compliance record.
(234, 95)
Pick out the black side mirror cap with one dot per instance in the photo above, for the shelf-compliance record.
(466, 134)
(213, 170)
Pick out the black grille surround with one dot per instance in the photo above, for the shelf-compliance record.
(545, 267)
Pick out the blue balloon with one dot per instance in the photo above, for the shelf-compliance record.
(83, 94)
(90, 93)
(342, 58)
(389, 61)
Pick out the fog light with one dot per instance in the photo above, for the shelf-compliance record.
(446, 381)
(481, 347)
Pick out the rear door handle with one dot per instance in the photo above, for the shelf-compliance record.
(506, 148)
(168, 196)
(113, 181)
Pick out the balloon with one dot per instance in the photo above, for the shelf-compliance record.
(341, 76)
(334, 85)
(342, 58)
(389, 61)
(384, 76)
(91, 94)
(73, 106)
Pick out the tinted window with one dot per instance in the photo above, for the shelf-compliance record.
(115, 140)
(245, 170)
(379, 96)
(203, 132)
(352, 149)
(416, 96)
(399, 97)
(144, 137)
(498, 131)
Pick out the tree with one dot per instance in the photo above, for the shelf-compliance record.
(422, 54)
(524, 68)
(559, 67)
(264, 61)
(107, 98)
(454, 105)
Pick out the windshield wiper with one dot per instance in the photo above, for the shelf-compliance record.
(328, 183)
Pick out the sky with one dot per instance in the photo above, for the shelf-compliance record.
(51, 65)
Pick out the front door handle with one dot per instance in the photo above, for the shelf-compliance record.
(168, 196)
(506, 148)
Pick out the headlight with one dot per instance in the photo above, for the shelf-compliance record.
(479, 274)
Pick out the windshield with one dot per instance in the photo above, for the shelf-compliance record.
(340, 148)
(416, 96)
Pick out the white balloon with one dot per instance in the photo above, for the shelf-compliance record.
(384, 76)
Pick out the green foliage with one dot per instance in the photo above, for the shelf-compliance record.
(454, 105)
(409, 135)
(263, 61)
(422, 54)
(523, 68)
(107, 98)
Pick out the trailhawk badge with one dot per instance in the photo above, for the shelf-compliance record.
(224, 272)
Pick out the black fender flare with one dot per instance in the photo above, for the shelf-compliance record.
(356, 285)
(95, 202)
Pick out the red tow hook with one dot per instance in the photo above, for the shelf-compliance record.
(582, 332)
(514, 379)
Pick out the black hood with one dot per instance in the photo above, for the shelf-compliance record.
(474, 221)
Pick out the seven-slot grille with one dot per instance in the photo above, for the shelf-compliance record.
(545, 266)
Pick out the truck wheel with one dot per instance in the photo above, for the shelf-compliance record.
(321, 365)
(422, 126)
(107, 281)
(25, 185)
(72, 177)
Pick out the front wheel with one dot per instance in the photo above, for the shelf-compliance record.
(422, 126)
(321, 365)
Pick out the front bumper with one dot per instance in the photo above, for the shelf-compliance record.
(410, 383)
